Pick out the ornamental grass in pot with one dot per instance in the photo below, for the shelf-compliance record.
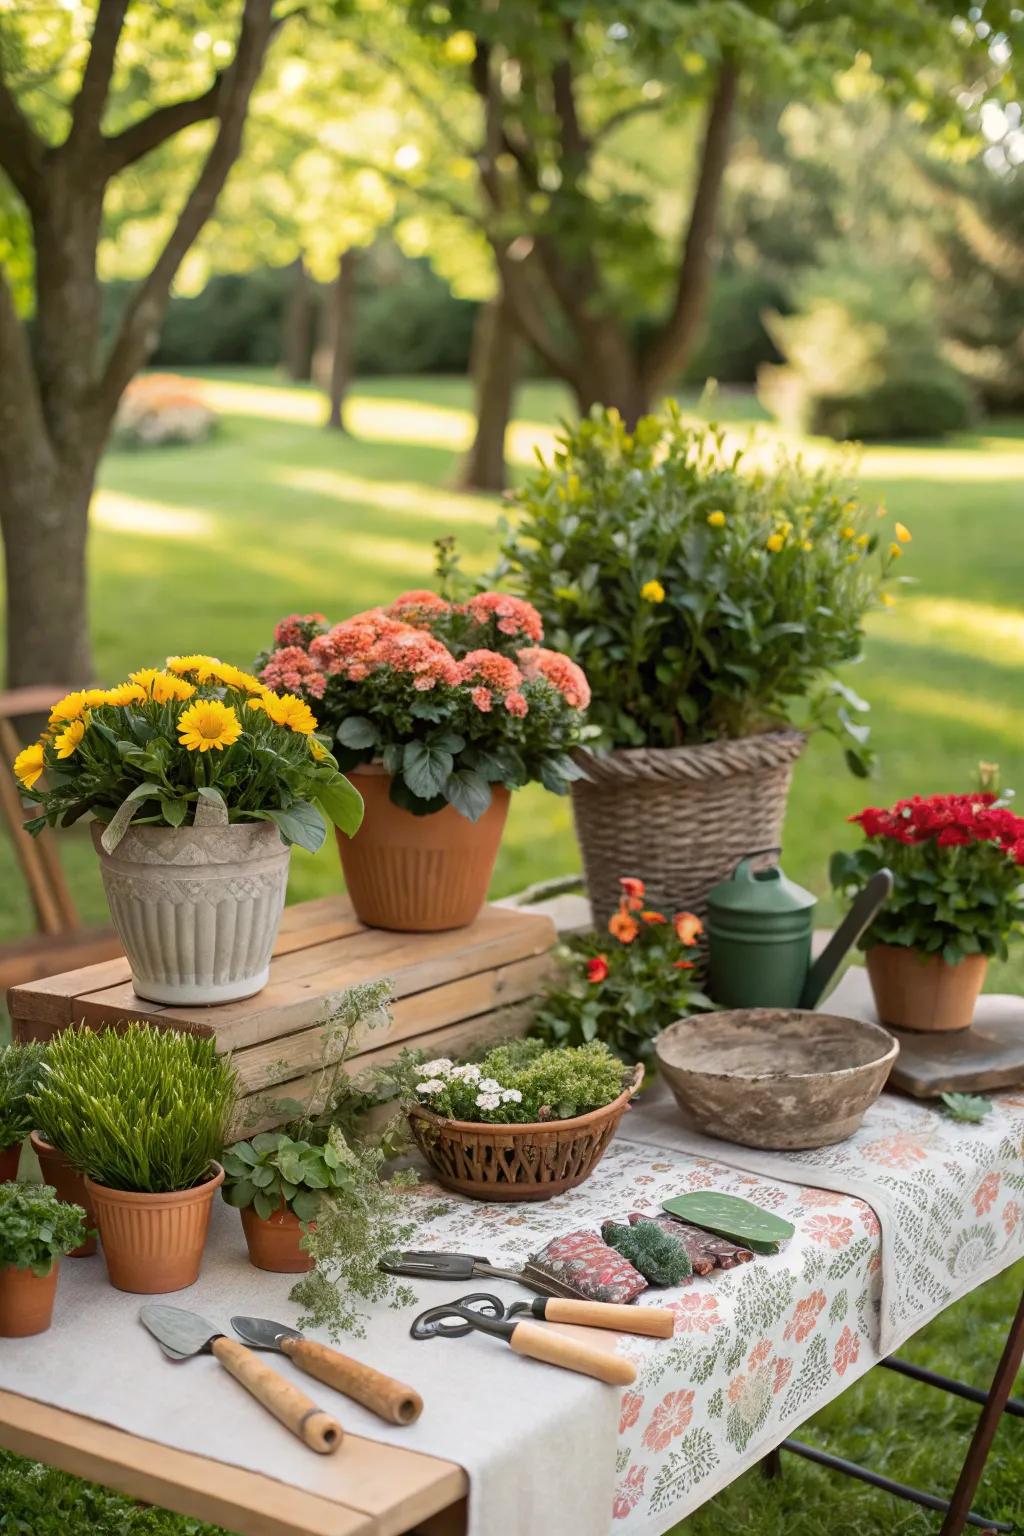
(439, 708)
(709, 599)
(143, 1114)
(36, 1231)
(956, 900)
(20, 1066)
(523, 1123)
(199, 779)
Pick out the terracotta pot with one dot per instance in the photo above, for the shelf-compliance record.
(26, 1301)
(153, 1243)
(196, 908)
(924, 992)
(274, 1242)
(9, 1160)
(69, 1184)
(418, 874)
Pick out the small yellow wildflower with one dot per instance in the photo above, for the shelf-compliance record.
(887, 599)
(69, 739)
(28, 765)
(895, 550)
(807, 545)
(652, 592)
(903, 533)
(863, 540)
(286, 709)
(208, 724)
(847, 532)
(775, 542)
(785, 528)
(852, 558)
(716, 519)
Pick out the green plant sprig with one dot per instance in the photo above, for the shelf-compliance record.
(274, 1171)
(37, 1229)
(141, 1108)
(20, 1070)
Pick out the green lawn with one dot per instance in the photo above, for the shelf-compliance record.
(202, 549)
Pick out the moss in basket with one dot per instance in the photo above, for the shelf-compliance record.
(522, 1082)
(37, 1229)
(141, 1109)
(20, 1069)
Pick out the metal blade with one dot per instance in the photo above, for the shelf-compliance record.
(262, 1332)
(179, 1333)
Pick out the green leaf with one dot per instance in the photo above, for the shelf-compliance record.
(301, 823)
(240, 1193)
(174, 810)
(468, 792)
(122, 817)
(729, 1216)
(357, 731)
(341, 803)
(425, 768)
(969, 1107)
(306, 1204)
(265, 1205)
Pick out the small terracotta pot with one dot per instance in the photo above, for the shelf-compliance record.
(153, 1243)
(26, 1301)
(419, 874)
(274, 1242)
(9, 1160)
(924, 992)
(69, 1184)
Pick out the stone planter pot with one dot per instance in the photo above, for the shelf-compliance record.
(273, 1242)
(419, 874)
(154, 1243)
(196, 908)
(69, 1184)
(679, 818)
(924, 992)
(26, 1301)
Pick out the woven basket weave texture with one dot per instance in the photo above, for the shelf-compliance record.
(680, 818)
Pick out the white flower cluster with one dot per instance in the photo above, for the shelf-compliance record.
(490, 1094)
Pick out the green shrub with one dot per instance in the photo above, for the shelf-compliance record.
(272, 1170)
(142, 1109)
(521, 1083)
(20, 1068)
(37, 1229)
(921, 406)
(702, 597)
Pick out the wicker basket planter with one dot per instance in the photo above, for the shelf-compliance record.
(518, 1162)
(680, 818)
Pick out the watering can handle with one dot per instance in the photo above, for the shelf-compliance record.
(863, 911)
(755, 853)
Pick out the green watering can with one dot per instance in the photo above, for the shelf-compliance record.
(760, 925)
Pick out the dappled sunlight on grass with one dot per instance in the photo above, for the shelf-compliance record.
(149, 519)
(412, 500)
(992, 716)
(955, 624)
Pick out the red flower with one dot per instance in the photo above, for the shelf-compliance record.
(682, 965)
(654, 917)
(632, 894)
(597, 968)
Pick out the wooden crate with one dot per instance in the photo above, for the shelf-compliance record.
(452, 991)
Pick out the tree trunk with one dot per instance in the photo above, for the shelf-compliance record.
(45, 527)
(342, 301)
(495, 364)
(298, 326)
(610, 375)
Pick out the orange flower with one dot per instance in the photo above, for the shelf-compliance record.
(623, 927)
(632, 894)
(682, 965)
(597, 968)
(688, 927)
(654, 917)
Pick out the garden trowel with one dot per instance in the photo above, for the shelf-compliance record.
(182, 1334)
(383, 1395)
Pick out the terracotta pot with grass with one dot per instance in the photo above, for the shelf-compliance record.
(20, 1069)
(70, 1187)
(36, 1231)
(142, 1113)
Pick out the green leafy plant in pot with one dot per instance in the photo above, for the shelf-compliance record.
(143, 1113)
(710, 599)
(36, 1231)
(20, 1066)
(277, 1182)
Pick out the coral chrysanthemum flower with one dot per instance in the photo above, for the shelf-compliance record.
(208, 725)
(286, 709)
(623, 927)
(68, 740)
(28, 765)
(688, 927)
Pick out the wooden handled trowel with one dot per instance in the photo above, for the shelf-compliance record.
(182, 1334)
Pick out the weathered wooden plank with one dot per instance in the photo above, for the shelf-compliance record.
(260, 1066)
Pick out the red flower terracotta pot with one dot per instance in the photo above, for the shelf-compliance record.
(273, 1242)
(69, 1184)
(418, 874)
(26, 1301)
(924, 992)
(9, 1160)
(153, 1243)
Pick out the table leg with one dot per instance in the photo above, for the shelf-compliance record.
(988, 1423)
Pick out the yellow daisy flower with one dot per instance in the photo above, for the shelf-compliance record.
(775, 542)
(204, 666)
(144, 677)
(863, 539)
(70, 707)
(652, 592)
(286, 709)
(318, 750)
(716, 519)
(847, 532)
(165, 688)
(896, 551)
(94, 697)
(28, 765)
(260, 703)
(68, 740)
(126, 693)
(208, 725)
(234, 677)
(903, 533)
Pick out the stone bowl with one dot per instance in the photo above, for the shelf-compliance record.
(778, 1078)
